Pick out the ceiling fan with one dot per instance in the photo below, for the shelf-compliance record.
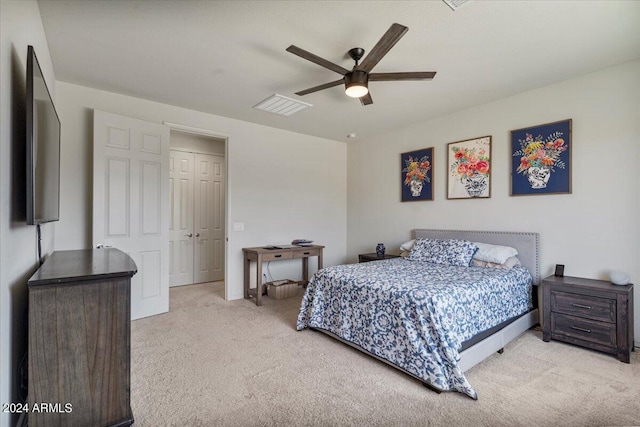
(357, 80)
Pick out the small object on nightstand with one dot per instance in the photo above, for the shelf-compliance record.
(559, 270)
(590, 313)
(380, 249)
(619, 277)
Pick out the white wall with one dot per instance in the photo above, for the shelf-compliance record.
(591, 231)
(281, 185)
(20, 26)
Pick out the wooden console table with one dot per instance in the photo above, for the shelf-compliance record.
(262, 254)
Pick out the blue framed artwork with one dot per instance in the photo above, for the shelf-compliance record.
(416, 175)
(541, 159)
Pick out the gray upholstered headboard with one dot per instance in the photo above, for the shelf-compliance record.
(527, 244)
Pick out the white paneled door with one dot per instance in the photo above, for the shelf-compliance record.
(181, 188)
(131, 202)
(209, 218)
(196, 183)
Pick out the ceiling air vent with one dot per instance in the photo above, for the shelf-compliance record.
(278, 104)
(455, 4)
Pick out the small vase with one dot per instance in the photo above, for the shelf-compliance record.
(538, 177)
(380, 249)
(416, 188)
(475, 184)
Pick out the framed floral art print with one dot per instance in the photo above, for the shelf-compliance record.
(416, 175)
(469, 171)
(541, 159)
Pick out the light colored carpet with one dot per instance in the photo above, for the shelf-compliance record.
(209, 362)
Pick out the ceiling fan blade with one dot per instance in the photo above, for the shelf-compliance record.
(320, 87)
(387, 77)
(388, 40)
(366, 100)
(316, 59)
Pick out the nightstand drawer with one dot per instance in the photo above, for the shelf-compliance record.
(602, 309)
(567, 327)
(277, 256)
(306, 253)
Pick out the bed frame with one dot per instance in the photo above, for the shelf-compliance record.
(485, 344)
(527, 245)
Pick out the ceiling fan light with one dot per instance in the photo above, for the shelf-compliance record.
(356, 91)
(356, 84)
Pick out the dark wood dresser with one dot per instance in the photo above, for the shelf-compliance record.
(591, 313)
(79, 339)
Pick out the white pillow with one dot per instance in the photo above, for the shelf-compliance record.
(507, 265)
(493, 253)
(406, 246)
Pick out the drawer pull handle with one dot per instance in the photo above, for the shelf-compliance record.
(277, 256)
(307, 253)
(581, 329)
(588, 307)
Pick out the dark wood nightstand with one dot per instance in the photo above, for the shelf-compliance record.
(375, 257)
(591, 313)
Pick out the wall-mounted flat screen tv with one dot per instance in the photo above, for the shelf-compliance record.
(43, 148)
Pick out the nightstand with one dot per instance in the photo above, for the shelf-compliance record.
(595, 314)
(375, 257)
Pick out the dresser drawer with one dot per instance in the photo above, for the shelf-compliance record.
(306, 253)
(602, 309)
(567, 327)
(277, 256)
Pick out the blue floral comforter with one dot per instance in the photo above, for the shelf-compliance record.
(415, 315)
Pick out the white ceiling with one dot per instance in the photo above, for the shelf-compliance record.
(224, 57)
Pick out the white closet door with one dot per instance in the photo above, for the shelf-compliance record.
(209, 218)
(181, 239)
(131, 202)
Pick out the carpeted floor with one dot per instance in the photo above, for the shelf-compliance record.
(209, 362)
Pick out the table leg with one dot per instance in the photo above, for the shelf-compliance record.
(320, 259)
(305, 269)
(247, 263)
(259, 281)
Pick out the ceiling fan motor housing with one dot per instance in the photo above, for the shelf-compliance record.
(356, 78)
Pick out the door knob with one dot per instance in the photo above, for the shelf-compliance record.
(189, 235)
(197, 234)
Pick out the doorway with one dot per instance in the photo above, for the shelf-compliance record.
(197, 213)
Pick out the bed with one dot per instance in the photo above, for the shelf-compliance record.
(431, 321)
